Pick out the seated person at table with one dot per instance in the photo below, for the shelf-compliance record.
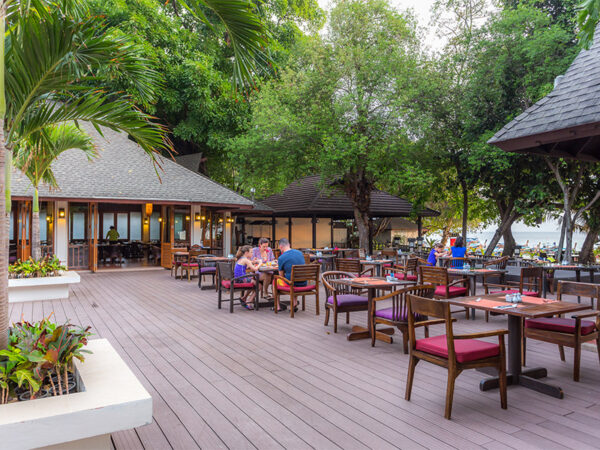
(263, 253)
(458, 251)
(243, 265)
(113, 234)
(289, 257)
(436, 252)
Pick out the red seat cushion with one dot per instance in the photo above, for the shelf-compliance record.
(466, 349)
(310, 287)
(516, 291)
(189, 265)
(407, 277)
(387, 265)
(349, 300)
(454, 291)
(227, 284)
(560, 324)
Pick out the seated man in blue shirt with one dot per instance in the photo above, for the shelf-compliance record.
(289, 257)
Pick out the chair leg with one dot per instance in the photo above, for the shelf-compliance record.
(335, 319)
(561, 350)
(502, 384)
(577, 361)
(326, 316)
(219, 298)
(231, 300)
(467, 313)
(304, 303)
(292, 299)
(524, 350)
(347, 318)
(449, 394)
(411, 374)
(405, 341)
(487, 316)
(598, 347)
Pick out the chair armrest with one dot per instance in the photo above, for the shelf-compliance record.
(499, 286)
(248, 275)
(393, 269)
(370, 270)
(481, 335)
(460, 281)
(425, 323)
(584, 315)
(279, 277)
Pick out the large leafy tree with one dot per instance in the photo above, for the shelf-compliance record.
(339, 112)
(54, 69)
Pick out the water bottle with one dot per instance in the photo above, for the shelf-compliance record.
(467, 266)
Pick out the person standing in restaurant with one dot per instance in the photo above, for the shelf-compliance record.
(264, 254)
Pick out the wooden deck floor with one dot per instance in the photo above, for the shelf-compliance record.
(260, 380)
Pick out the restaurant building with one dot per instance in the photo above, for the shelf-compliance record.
(154, 208)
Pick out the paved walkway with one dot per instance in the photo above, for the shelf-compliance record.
(260, 380)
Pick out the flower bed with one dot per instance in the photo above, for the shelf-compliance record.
(49, 266)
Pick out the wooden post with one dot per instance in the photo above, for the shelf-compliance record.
(314, 232)
(370, 236)
(419, 226)
(331, 229)
(273, 226)
(290, 230)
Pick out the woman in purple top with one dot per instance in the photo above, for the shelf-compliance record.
(264, 254)
(243, 265)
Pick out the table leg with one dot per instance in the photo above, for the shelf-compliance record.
(515, 375)
(473, 281)
(359, 332)
(578, 279)
(591, 275)
(544, 283)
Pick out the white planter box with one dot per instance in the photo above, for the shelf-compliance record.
(113, 400)
(44, 288)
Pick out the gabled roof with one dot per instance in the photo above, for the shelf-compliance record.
(566, 121)
(307, 197)
(190, 162)
(123, 171)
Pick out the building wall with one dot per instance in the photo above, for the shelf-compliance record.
(61, 232)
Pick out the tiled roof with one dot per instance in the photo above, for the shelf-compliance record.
(307, 197)
(124, 171)
(191, 161)
(574, 102)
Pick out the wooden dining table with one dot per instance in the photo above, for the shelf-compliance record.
(472, 275)
(371, 285)
(377, 263)
(531, 308)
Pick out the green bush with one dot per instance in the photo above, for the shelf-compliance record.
(46, 267)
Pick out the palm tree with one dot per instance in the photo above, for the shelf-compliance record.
(35, 157)
(52, 72)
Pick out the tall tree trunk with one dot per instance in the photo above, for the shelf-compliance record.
(508, 216)
(509, 242)
(561, 240)
(446, 233)
(358, 189)
(569, 238)
(36, 250)
(3, 242)
(465, 211)
(586, 255)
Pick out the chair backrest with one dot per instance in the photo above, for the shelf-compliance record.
(411, 265)
(499, 263)
(193, 254)
(362, 253)
(455, 263)
(399, 302)
(531, 279)
(276, 253)
(204, 262)
(334, 288)
(438, 309)
(305, 272)
(348, 265)
(438, 276)
(306, 258)
(351, 253)
(224, 271)
(579, 289)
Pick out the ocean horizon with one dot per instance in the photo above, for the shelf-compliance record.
(531, 238)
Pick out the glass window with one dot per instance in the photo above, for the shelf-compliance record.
(179, 226)
(135, 227)
(11, 231)
(155, 226)
(123, 225)
(77, 225)
(108, 220)
(43, 226)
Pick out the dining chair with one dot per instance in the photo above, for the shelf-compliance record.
(176, 260)
(455, 352)
(407, 272)
(341, 298)
(229, 284)
(207, 268)
(308, 273)
(455, 263)
(530, 284)
(396, 314)
(306, 258)
(444, 288)
(567, 332)
(353, 266)
(190, 264)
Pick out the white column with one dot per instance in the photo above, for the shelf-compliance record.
(196, 228)
(226, 234)
(61, 232)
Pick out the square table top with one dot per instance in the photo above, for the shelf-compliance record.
(366, 262)
(371, 282)
(531, 308)
(474, 272)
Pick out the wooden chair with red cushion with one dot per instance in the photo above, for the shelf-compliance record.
(567, 332)
(231, 285)
(396, 313)
(455, 263)
(444, 288)
(190, 264)
(456, 352)
(530, 285)
(305, 273)
(341, 298)
(406, 272)
(353, 266)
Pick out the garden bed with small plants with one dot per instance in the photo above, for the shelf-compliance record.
(39, 360)
(49, 266)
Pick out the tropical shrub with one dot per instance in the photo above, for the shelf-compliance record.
(39, 358)
(48, 266)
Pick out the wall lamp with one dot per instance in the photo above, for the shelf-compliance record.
(160, 219)
(61, 213)
(49, 219)
(187, 217)
(197, 217)
(146, 221)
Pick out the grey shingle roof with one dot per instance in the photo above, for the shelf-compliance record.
(573, 105)
(123, 171)
(191, 162)
(306, 197)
